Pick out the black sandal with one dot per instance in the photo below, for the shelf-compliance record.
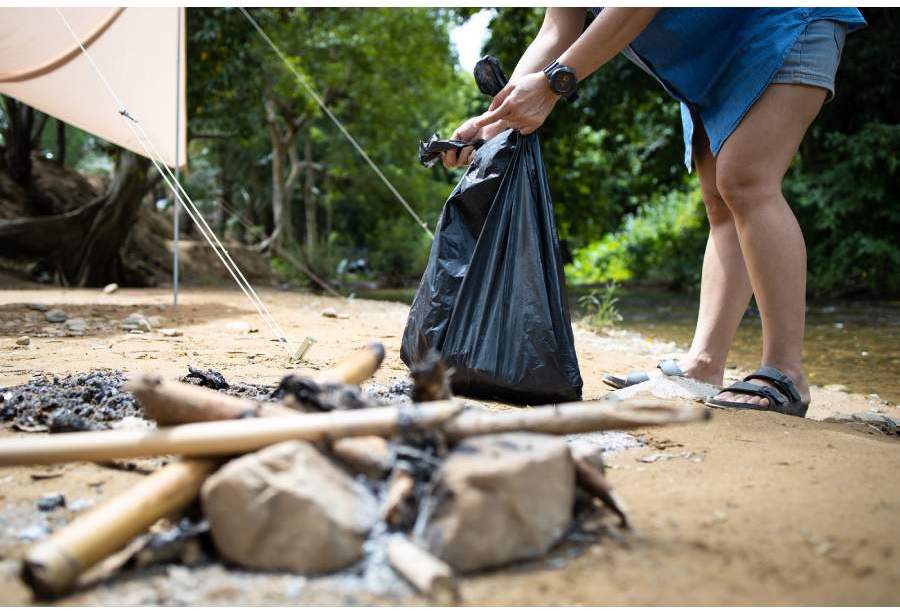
(783, 398)
(668, 367)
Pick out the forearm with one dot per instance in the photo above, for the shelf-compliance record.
(612, 30)
(561, 28)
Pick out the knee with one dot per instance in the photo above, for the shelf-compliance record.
(716, 210)
(743, 189)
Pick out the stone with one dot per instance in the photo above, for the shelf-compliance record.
(136, 321)
(590, 447)
(155, 321)
(501, 498)
(288, 507)
(170, 333)
(37, 307)
(56, 316)
(667, 387)
(110, 288)
(51, 501)
(76, 325)
(23, 341)
(329, 313)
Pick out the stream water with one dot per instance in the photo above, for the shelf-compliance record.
(853, 343)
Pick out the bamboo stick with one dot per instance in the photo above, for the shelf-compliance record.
(234, 437)
(223, 438)
(51, 566)
(429, 575)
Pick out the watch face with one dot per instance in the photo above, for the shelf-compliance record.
(564, 82)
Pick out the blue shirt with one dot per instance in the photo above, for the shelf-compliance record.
(718, 61)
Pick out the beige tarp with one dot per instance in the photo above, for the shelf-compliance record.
(134, 48)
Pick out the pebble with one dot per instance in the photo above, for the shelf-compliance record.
(81, 504)
(76, 325)
(111, 288)
(51, 501)
(34, 532)
(656, 457)
(39, 307)
(56, 316)
(23, 341)
(332, 313)
(170, 333)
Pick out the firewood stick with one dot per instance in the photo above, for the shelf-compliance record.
(234, 437)
(169, 402)
(400, 487)
(594, 482)
(582, 417)
(225, 437)
(356, 369)
(52, 565)
(429, 575)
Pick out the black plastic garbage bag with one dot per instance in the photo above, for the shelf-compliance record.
(492, 300)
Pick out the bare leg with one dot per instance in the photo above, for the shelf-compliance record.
(725, 285)
(749, 170)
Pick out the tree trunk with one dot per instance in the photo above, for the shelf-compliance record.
(60, 142)
(98, 259)
(311, 224)
(84, 245)
(20, 121)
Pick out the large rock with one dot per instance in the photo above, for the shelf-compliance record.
(288, 507)
(501, 498)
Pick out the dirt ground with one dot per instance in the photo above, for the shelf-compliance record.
(751, 508)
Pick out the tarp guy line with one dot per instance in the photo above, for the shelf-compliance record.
(166, 174)
(340, 125)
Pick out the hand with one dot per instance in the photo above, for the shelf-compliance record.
(523, 104)
(468, 132)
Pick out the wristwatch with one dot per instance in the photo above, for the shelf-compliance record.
(562, 80)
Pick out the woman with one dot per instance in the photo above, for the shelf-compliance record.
(750, 82)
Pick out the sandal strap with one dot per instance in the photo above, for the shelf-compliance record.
(636, 377)
(670, 367)
(746, 388)
(778, 379)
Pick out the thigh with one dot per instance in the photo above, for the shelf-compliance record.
(767, 138)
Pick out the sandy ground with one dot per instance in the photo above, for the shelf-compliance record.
(753, 508)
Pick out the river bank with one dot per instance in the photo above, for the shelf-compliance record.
(708, 529)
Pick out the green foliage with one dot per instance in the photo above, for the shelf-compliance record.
(400, 252)
(387, 74)
(848, 211)
(615, 147)
(600, 306)
(662, 242)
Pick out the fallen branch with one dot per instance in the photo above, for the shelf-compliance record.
(583, 417)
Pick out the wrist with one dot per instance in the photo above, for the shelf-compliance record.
(562, 80)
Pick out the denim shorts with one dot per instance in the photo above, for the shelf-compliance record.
(814, 58)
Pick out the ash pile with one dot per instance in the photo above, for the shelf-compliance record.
(319, 476)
